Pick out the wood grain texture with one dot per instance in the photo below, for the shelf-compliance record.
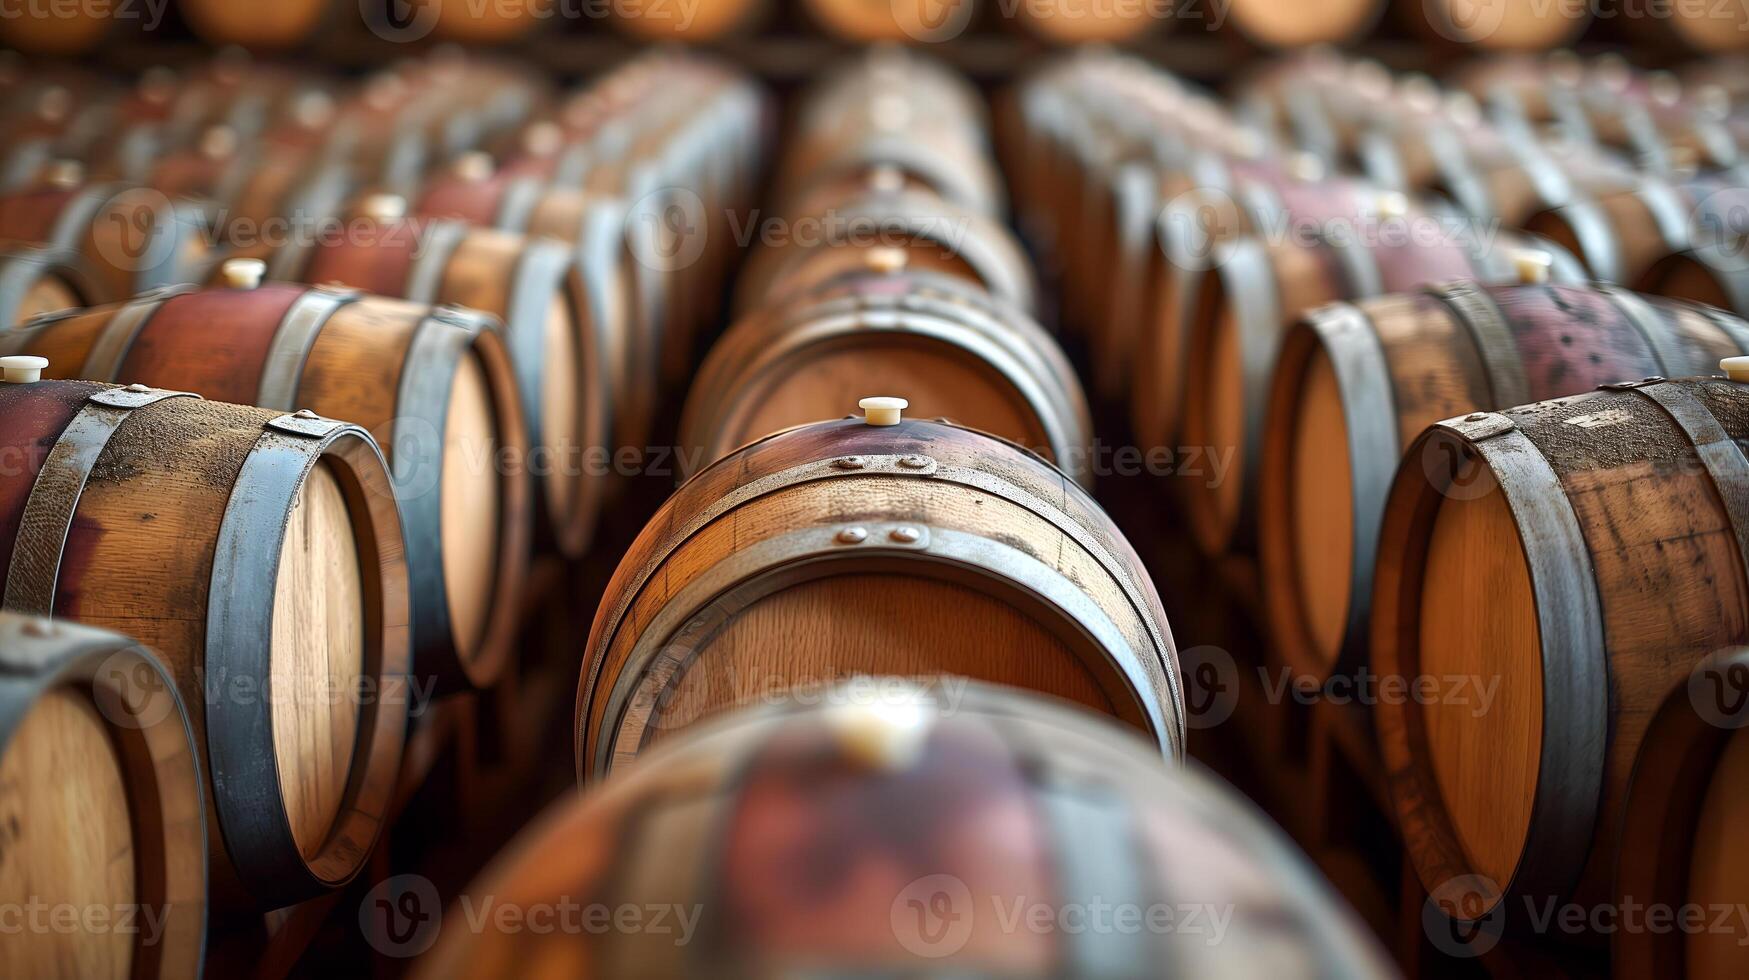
(66, 839)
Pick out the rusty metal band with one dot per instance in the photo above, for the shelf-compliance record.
(54, 497)
(1575, 670)
(705, 604)
(282, 370)
(1722, 455)
(1650, 326)
(1486, 324)
(110, 351)
(1369, 414)
(907, 466)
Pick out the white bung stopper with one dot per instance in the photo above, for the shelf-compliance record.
(883, 410)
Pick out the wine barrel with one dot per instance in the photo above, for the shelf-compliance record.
(44, 279)
(944, 346)
(1495, 25)
(1620, 236)
(1680, 847)
(875, 538)
(100, 792)
(73, 29)
(559, 352)
(655, 20)
(1244, 305)
(932, 232)
(938, 802)
(1517, 547)
(594, 225)
(261, 555)
(1354, 383)
(1092, 21)
(436, 386)
(132, 238)
(1714, 268)
(1273, 24)
(902, 23)
(286, 25)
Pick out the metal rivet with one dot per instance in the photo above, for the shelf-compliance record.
(1477, 417)
(137, 388)
(38, 628)
(304, 413)
(852, 535)
(905, 535)
(848, 463)
(913, 462)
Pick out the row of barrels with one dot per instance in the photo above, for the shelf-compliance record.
(304, 573)
(1684, 24)
(785, 655)
(1583, 552)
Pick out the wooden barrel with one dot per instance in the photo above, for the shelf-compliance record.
(1353, 384)
(594, 225)
(132, 238)
(434, 384)
(1217, 200)
(1680, 848)
(1714, 268)
(944, 346)
(1620, 236)
(261, 555)
(884, 21)
(1498, 25)
(1244, 306)
(100, 794)
(957, 801)
(64, 30)
(560, 353)
(1516, 549)
(932, 232)
(1092, 21)
(652, 20)
(876, 542)
(44, 279)
(285, 26)
(1273, 24)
